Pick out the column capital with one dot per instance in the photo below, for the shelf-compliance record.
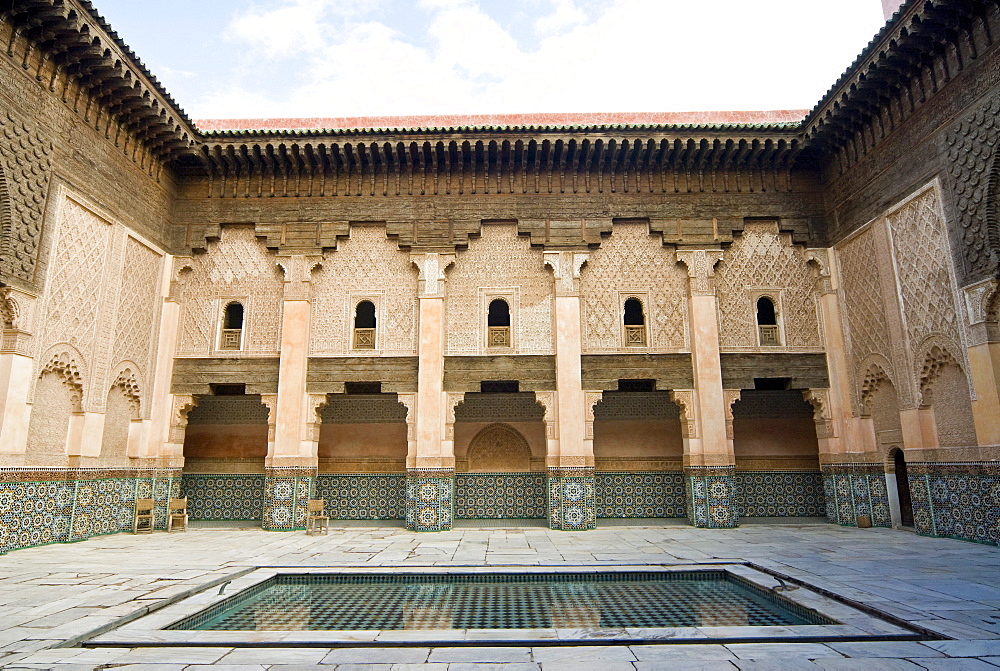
(819, 258)
(298, 270)
(431, 267)
(700, 264)
(566, 268)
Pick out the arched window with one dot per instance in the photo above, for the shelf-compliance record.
(635, 324)
(767, 322)
(364, 325)
(498, 323)
(232, 326)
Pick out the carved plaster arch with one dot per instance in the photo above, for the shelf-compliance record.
(64, 365)
(936, 356)
(875, 374)
(499, 447)
(9, 310)
(126, 381)
(993, 205)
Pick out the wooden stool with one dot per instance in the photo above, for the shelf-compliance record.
(316, 518)
(143, 522)
(177, 514)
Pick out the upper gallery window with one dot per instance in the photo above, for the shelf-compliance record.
(364, 325)
(767, 323)
(635, 323)
(231, 336)
(498, 323)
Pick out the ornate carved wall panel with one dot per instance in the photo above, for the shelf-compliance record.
(237, 267)
(138, 311)
(117, 417)
(499, 260)
(365, 266)
(25, 169)
(862, 308)
(632, 259)
(930, 301)
(362, 409)
(973, 145)
(499, 448)
(75, 290)
(763, 261)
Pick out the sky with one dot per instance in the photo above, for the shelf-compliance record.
(335, 58)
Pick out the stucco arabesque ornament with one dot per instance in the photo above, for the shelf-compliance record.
(298, 270)
(431, 277)
(700, 265)
(566, 268)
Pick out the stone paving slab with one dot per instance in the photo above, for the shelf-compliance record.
(54, 592)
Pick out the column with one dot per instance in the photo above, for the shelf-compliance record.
(709, 472)
(160, 443)
(983, 302)
(291, 461)
(572, 501)
(430, 470)
(16, 369)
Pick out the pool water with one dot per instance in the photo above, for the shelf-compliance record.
(337, 602)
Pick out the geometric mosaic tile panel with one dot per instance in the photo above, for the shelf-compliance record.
(955, 504)
(362, 496)
(856, 489)
(779, 494)
(634, 495)
(286, 496)
(75, 505)
(500, 496)
(224, 496)
(429, 498)
(711, 497)
(572, 499)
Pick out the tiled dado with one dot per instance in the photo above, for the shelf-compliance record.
(779, 494)
(856, 489)
(224, 496)
(356, 496)
(572, 499)
(711, 497)
(640, 494)
(429, 499)
(500, 496)
(41, 507)
(958, 500)
(286, 495)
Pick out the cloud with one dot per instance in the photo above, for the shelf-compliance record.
(343, 58)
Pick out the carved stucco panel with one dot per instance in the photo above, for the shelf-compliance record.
(633, 259)
(762, 258)
(499, 258)
(237, 267)
(367, 265)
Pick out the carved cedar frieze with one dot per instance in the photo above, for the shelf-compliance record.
(25, 170)
(973, 158)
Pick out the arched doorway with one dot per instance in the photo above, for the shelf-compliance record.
(500, 457)
(902, 488)
(225, 444)
(362, 454)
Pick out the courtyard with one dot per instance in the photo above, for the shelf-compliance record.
(54, 598)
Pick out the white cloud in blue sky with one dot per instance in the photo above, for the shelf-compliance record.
(302, 58)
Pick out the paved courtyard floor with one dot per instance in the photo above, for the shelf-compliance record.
(52, 596)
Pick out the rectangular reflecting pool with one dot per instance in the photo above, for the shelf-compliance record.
(501, 601)
(500, 605)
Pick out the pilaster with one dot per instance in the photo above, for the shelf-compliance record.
(570, 460)
(430, 460)
(834, 405)
(982, 302)
(16, 370)
(158, 443)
